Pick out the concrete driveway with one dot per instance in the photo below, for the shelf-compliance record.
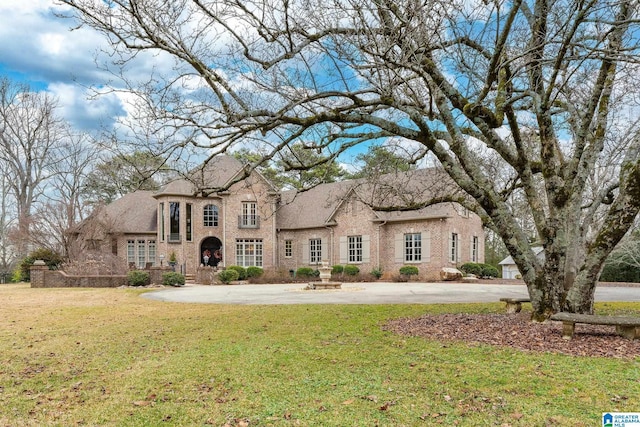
(363, 293)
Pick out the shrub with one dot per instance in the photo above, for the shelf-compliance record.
(138, 278)
(619, 273)
(16, 277)
(377, 273)
(306, 272)
(351, 270)
(489, 270)
(254, 272)
(409, 270)
(242, 272)
(337, 269)
(172, 278)
(52, 259)
(471, 268)
(228, 275)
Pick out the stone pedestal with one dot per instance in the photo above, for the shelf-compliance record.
(325, 277)
(37, 273)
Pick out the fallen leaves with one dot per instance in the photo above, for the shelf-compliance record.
(517, 331)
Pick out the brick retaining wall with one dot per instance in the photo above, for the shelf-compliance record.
(42, 277)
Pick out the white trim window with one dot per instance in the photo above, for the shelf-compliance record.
(131, 251)
(454, 244)
(474, 249)
(288, 248)
(141, 252)
(413, 247)
(355, 249)
(315, 251)
(249, 214)
(210, 216)
(249, 252)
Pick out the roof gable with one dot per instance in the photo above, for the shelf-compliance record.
(317, 206)
(217, 173)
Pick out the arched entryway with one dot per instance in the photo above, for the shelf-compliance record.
(211, 251)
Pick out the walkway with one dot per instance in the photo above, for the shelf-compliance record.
(364, 293)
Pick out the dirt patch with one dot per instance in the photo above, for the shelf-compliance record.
(517, 331)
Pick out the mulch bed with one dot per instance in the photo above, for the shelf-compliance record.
(517, 331)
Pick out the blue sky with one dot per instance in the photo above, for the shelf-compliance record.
(39, 49)
(42, 50)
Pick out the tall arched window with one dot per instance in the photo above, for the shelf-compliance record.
(210, 216)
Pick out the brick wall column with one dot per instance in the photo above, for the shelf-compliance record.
(37, 272)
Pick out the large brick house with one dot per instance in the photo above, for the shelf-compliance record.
(250, 223)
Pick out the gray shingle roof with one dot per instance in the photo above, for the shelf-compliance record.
(312, 208)
(217, 173)
(315, 207)
(133, 213)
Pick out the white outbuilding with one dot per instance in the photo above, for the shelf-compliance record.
(509, 267)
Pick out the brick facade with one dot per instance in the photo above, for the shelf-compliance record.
(251, 224)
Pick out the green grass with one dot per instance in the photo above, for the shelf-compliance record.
(108, 357)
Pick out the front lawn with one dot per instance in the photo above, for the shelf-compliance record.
(108, 357)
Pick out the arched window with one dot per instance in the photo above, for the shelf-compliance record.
(210, 216)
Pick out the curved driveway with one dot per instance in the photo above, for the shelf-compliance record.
(363, 293)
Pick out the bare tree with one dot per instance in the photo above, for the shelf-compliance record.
(550, 88)
(63, 205)
(29, 132)
(7, 216)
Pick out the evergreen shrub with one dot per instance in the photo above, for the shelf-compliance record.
(351, 270)
(138, 278)
(306, 272)
(172, 278)
(337, 269)
(52, 259)
(242, 272)
(254, 271)
(228, 275)
(409, 270)
(471, 268)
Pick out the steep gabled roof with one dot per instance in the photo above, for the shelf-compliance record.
(316, 207)
(311, 208)
(537, 250)
(133, 213)
(217, 173)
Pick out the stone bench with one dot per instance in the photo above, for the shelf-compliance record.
(514, 305)
(628, 327)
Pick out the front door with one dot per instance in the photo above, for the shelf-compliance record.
(211, 251)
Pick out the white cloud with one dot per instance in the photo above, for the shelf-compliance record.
(54, 54)
(84, 111)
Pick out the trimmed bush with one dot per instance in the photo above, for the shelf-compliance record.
(377, 273)
(337, 269)
(254, 271)
(172, 278)
(306, 272)
(351, 270)
(52, 259)
(228, 275)
(242, 272)
(409, 270)
(138, 278)
(489, 270)
(471, 268)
